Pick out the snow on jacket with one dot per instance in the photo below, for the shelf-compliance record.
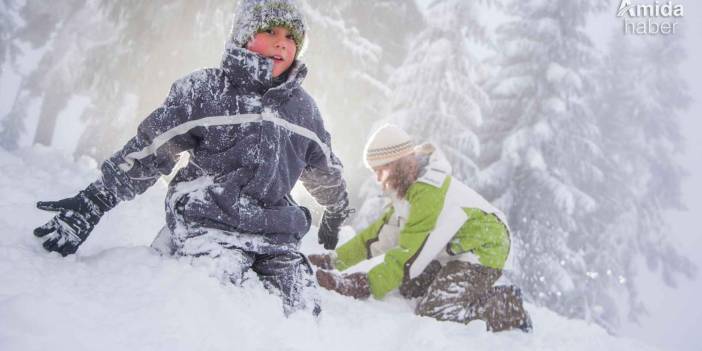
(249, 142)
(440, 218)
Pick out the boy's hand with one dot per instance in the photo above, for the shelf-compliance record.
(329, 227)
(76, 218)
(354, 285)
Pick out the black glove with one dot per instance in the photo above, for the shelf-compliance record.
(76, 218)
(329, 227)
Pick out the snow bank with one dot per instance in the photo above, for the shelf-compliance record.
(117, 294)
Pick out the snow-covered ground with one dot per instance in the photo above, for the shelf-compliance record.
(117, 294)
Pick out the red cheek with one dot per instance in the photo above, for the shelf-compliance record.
(257, 44)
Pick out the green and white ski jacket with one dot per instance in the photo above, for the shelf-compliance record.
(440, 218)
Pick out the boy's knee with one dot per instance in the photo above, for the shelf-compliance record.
(227, 265)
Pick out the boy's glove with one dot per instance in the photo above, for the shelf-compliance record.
(354, 285)
(76, 218)
(329, 227)
(322, 261)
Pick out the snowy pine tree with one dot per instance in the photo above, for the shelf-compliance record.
(543, 159)
(435, 95)
(152, 45)
(660, 113)
(354, 47)
(638, 106)
(427, 96)
(435, 92)
(390, 24)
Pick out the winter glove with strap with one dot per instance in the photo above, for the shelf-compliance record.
(331, 222)
(76, 218)
(355, 285)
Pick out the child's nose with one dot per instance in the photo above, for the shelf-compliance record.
(280, 43)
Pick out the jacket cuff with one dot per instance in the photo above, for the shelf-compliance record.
(340, 206)
(104, 199)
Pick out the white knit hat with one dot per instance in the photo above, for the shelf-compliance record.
(387, 144)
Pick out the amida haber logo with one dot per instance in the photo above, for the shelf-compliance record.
(650, 18)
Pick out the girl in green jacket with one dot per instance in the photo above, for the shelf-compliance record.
(439, 241)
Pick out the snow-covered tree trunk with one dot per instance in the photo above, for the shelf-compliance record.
(62, 35)
(17, 36)
(9, 22)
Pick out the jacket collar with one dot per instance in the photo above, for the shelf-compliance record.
(436, 170)
(254, 71)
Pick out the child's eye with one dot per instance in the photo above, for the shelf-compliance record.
(289, 36)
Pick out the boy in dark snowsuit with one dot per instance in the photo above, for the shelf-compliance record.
(251, 132)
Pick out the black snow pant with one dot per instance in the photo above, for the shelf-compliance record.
(282, 268)
(463, 292)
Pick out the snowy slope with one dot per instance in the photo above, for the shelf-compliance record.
(116, 294)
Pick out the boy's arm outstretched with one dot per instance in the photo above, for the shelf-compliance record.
(324, 180)
(129, 172)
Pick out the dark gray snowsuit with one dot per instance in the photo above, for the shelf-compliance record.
(249, 142)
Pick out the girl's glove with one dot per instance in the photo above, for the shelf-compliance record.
(76, 218)
(324, 261)
(354, 285)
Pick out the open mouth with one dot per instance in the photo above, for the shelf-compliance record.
(277, 58)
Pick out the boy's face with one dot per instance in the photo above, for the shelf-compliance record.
(277, 44)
